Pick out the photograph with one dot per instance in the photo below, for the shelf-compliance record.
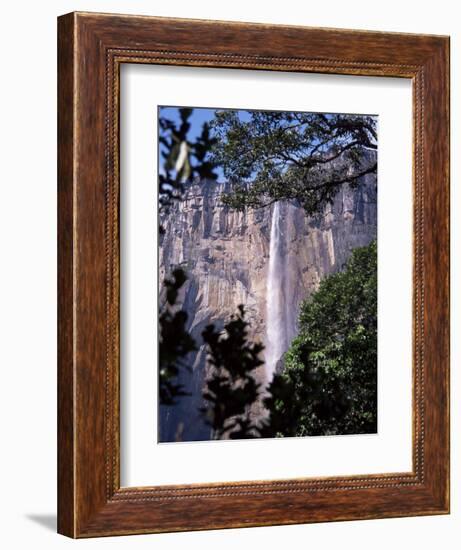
(226, 303)
(267, 273)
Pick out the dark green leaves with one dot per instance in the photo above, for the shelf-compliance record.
(331, 367)
(329, 382)
(301, 156)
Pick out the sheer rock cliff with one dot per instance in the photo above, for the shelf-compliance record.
(225, 254)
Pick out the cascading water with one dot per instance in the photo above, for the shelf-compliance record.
(276, 305)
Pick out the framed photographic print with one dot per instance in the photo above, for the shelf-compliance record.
(253, 275)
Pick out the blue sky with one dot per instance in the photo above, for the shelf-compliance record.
(197, 119)
(199, 116)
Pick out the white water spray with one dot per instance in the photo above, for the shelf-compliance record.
(276, 306)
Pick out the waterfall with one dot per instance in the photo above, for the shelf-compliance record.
(277, 312)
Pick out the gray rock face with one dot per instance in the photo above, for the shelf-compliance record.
(226, 256)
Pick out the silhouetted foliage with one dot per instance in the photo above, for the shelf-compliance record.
(231, 389)
(284, 409)
(182, 158)
(329, 382)
(328, 385)
(175, 342)
(292, 155)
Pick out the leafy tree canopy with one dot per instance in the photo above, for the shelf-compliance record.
(292, 155)
(328, 385)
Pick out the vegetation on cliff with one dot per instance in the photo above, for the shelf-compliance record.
(307, 157)
(328, 385)
(328, 382)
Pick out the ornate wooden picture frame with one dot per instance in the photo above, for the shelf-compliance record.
(92, 48)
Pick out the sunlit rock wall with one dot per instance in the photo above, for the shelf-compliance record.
(225, 254)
